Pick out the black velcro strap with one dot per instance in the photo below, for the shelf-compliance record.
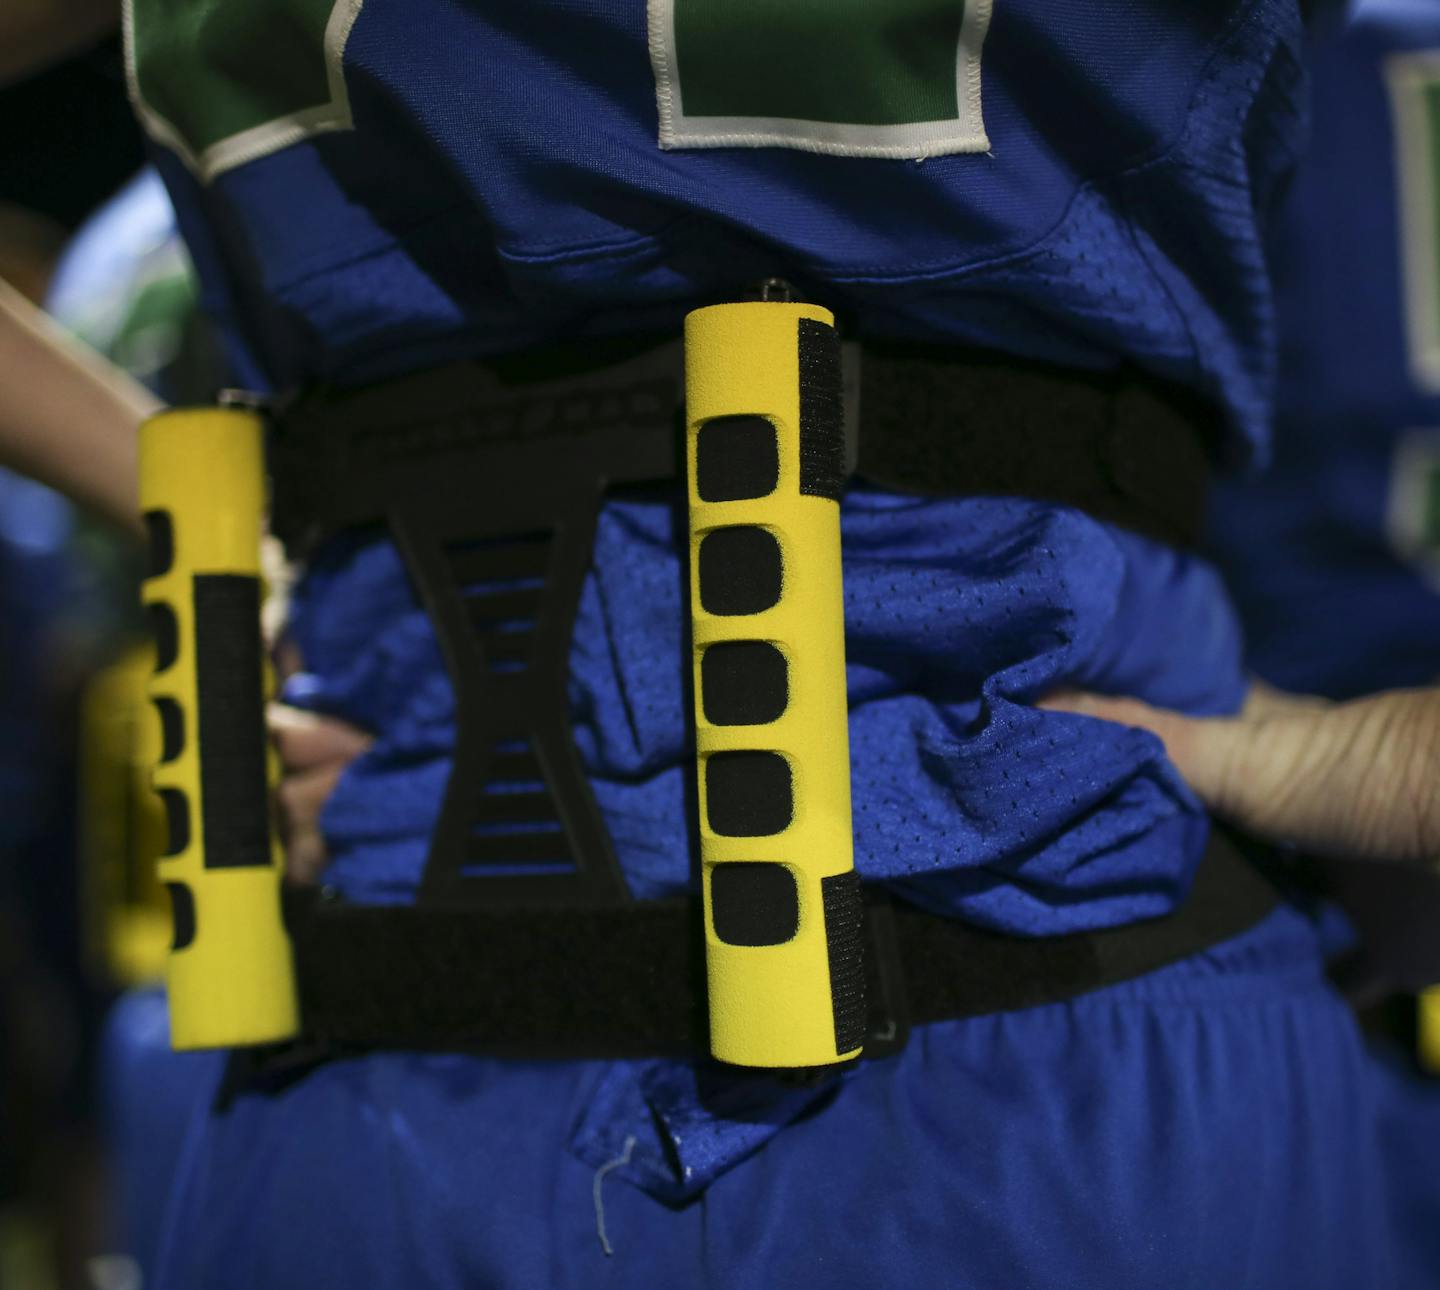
(822, 417)
(629, 982)
(582, 982)
(1121, 446)
(229, 654)
(1124, 447)
(980, 971)
(845, 938)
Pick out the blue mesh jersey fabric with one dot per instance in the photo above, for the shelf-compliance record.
(1210, 1122)
(1332, 604)
(503, 186)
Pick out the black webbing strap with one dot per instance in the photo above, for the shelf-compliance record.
(628, 982)
(1122, 446)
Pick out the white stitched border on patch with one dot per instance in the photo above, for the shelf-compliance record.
(261, 140)
(1409, 77)
(965, 132)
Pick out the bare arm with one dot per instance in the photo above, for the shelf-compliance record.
(1358, 779)
(67, 417)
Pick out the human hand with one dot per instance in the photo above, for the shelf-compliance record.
(314, 752)
(1358, 779)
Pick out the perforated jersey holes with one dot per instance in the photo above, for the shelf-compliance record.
(743, 683)
(748, 794)
(736, 458)
(177, 820)
(165, 632)
(754, 903)
(740, 571)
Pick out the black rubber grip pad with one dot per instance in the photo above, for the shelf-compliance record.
(172, 728)
(177, 820)
(845, 940)
(743, 683)
(748, 794)
(736, 458)
(822, 411)
(234, 795)
(740, 571)
(159, 543)
(754, 903)
(182, 915)
(165, 632)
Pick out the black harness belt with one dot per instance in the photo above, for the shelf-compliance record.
(628, 982)
(489, 476)
(1122, 446)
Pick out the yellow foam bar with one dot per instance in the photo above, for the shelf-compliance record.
(1428, 1027)
(230, 975)
(774, 1004)
(127, 920)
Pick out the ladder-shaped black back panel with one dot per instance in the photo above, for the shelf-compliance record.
(493, 499)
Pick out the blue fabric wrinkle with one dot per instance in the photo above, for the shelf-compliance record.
(958, 615)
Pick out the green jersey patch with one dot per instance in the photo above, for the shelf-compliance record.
(852, 78)
(223, 83)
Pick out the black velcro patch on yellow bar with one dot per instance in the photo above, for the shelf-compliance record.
(748, 794)
(743, 683)
(159, 543)
(845, 937)
(736, 458)
(182, 915)
(172, 728)
(822, 411)
(234, 798)
(165, 632)
(177, 820)
(754, 903)
(740, 570)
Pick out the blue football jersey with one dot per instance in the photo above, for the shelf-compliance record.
(1333, 555)
(370, 185)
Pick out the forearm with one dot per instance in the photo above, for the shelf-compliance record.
(1358, 779)
(67, 417)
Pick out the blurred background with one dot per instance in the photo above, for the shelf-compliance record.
(86, 232)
